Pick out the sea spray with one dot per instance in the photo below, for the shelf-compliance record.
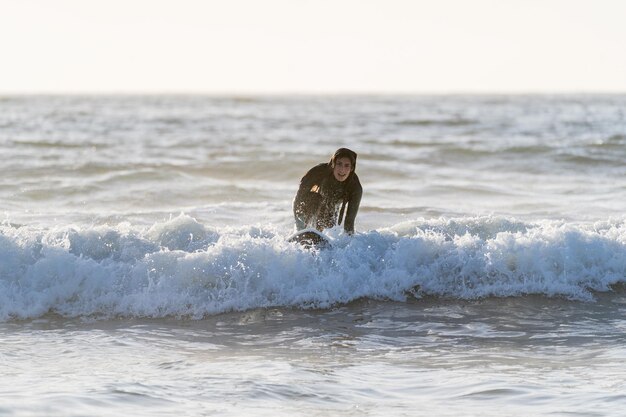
(184, 268)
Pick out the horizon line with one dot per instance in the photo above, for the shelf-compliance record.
(305, 93)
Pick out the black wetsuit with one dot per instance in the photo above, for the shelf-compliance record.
(322, 201)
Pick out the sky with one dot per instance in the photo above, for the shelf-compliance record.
(312, 46)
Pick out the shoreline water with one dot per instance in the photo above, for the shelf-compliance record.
(444, 357)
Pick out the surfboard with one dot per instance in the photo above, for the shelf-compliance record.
(310, 238)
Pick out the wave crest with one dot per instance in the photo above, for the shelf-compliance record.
(183, 268)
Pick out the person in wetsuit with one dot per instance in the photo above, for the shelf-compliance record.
(328, 192)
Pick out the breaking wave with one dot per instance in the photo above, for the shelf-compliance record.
(183, 268)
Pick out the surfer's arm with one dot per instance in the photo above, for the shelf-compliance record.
(353, 207)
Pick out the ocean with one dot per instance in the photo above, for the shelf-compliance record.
(144, 266)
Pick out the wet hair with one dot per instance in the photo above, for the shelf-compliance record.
(344, 153)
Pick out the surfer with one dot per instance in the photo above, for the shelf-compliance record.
(328, 192)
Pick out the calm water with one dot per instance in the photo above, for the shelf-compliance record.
(144, 268)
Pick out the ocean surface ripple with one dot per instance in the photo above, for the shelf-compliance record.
(145, 268)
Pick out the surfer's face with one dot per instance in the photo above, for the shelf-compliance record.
(342, 169)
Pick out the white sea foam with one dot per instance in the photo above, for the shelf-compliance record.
(184, 268)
